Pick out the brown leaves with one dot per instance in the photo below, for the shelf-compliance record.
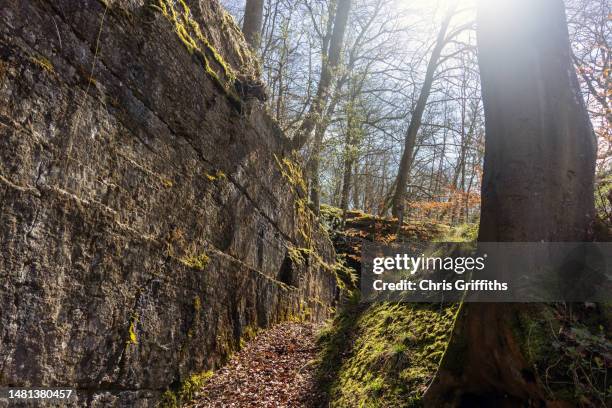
(273, 370)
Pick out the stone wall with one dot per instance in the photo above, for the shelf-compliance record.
(150, 214)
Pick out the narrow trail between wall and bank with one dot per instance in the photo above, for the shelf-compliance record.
(276, 369)
(382, 354)
(364, 353)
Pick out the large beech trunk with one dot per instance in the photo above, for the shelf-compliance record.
(538, 186)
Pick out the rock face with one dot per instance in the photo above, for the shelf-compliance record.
(150, 217)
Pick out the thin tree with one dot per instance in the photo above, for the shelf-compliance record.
(329, 67)
(353, 130)
(415, 120)
(354, 54)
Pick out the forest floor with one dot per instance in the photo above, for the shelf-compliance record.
(276, 369)
(364, 353)
(385, 354)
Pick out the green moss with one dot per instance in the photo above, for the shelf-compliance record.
(395, 351)
(248, 334)
(292, 172)
(244, 53)
(197, 310)
(532, 329)
(461, 233)
(190, 34)
(306, 314)
(186, 391)
(566, 351)
(167, 183)
(346, 277)
(297, 255)
(331, 217)
(196, 261)
(43, 63)
(168, 400)
(197, 305)
(219, 175)
(455, 351)
(194, 384)
(305, 220)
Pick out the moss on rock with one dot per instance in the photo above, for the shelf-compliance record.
(186, 391)
(190, 34)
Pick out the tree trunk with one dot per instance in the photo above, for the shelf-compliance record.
(315, 182)
(349, 159)
(346, 185)
(329, 66)
(540, 147)
(538, 186)
(315, 160)
(357, 184)
(415, 121)
(253, 18)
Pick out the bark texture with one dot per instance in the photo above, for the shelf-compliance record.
(540, 147)
(253, 19)
(538, 186)
(146, 212)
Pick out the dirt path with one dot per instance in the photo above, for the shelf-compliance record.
(273, 370)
